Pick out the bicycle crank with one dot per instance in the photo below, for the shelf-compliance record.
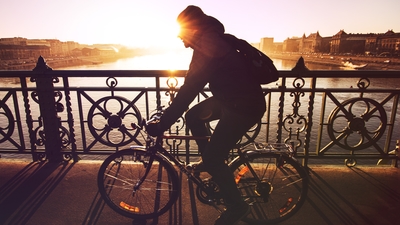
(209, 193)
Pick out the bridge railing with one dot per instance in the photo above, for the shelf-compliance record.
(328, 116)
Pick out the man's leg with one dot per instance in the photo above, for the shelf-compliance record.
(230, 129)
(200, 114)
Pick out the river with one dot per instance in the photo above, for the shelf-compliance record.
(178, 60)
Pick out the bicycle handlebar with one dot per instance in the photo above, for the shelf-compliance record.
(155, 117)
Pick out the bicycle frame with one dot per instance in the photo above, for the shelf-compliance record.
(243, 155)
(155, 147)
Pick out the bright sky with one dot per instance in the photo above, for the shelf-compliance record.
(143, 23)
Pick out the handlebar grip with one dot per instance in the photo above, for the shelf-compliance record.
(153, 119)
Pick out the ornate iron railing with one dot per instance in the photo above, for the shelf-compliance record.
(327, 116)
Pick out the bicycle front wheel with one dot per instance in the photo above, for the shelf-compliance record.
(118, 183)
(274, 185)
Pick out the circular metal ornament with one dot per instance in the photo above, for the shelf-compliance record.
(110, 119)
(350, 162)
(357, 123)
(6, 122)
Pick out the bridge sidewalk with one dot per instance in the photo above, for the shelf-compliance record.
(43, 193)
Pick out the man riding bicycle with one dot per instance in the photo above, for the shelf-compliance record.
(238, 102)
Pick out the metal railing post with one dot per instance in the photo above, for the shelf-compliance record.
(48, 112)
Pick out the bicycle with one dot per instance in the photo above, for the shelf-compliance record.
(142, 183)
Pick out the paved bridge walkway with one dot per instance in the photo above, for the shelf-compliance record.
(40, 193)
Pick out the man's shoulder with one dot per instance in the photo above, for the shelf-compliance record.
(213, 45)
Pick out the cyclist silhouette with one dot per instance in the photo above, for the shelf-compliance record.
(238, 102)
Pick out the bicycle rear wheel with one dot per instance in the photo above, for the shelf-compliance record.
(121, 171)
(280, 191)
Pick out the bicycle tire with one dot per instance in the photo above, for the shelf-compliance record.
(282, 191)
(121, 171)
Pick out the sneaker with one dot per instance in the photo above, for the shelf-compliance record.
(233, 214)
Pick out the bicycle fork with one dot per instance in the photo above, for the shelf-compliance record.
(144, 177)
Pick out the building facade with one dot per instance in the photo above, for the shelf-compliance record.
(21, 48)
(291, 45)
(310, 44)
(386, 44)
(267, 45)
(13, 41)
(343, 43)
(10, 52)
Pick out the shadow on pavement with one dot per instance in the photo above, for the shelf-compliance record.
(23, 194)
(67, 193)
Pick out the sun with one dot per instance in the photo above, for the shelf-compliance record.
(149, 32)
(170, 31)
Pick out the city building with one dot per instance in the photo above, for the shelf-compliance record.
(389, 42)
(291, 44)
(13, 41)
(267, 45)
(10, 52)
(343, 43)
(18, 48)
(310, 44)
(383, 44)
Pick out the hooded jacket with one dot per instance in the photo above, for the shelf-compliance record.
(216, 63)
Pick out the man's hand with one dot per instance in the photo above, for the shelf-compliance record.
(154, 129)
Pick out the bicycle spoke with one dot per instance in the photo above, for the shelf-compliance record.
(277, 192)
(124, 188)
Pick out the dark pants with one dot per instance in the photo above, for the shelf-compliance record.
(230, 128)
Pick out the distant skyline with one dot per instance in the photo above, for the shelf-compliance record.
(152, 23)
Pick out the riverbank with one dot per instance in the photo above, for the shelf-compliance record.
(372, 63)
(55, 63)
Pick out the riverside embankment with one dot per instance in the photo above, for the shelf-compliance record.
(59, 62)
(373, 63)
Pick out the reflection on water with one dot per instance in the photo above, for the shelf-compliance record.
(176, 60)
(282, 64)
(179, 60)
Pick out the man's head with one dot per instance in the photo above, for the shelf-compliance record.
(193, 22)
(189, 21)
(191, 17)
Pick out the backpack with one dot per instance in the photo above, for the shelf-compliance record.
(260, 65)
